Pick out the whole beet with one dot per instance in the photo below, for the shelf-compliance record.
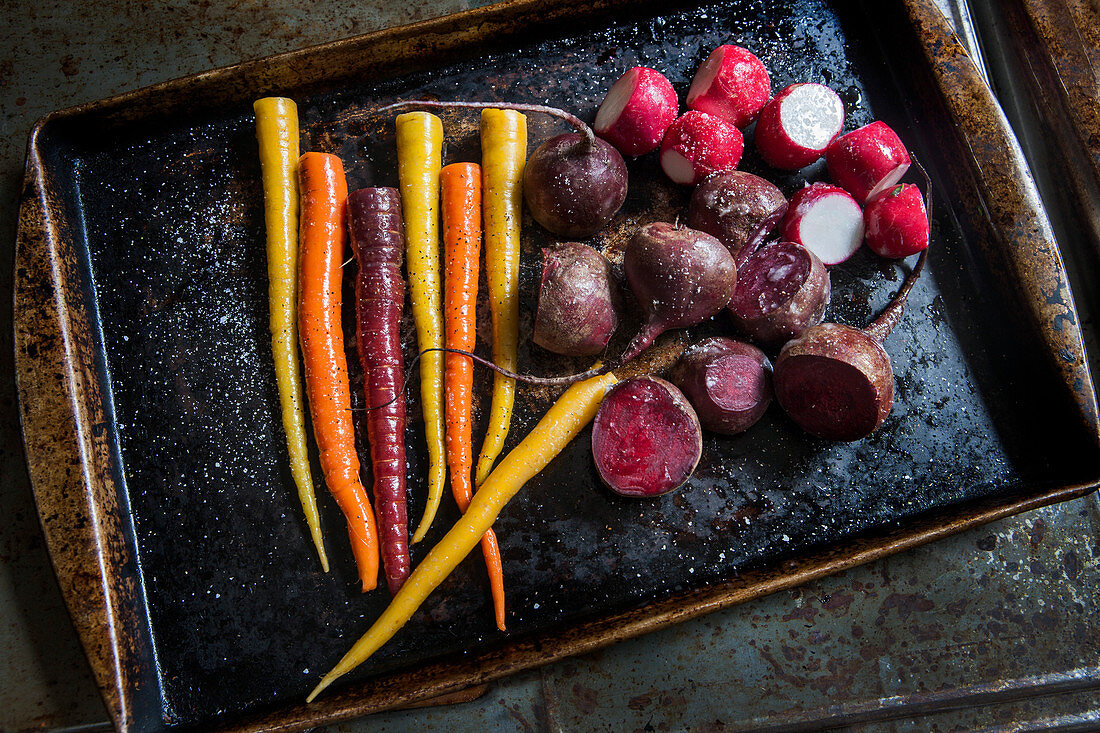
(729, 383)
(680, 277)
(578, 301)
(738, 208)
(782, 290)
(574, 184)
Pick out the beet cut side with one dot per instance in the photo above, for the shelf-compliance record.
(835, 381)
(646, 438)
(782, 290)
(729, 383)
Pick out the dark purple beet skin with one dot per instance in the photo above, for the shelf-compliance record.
(835, 381)
(782, 290)
(578, 301)
(729, 383)
(574, 184)
(680, 277)
(646, 438)
(738, 208)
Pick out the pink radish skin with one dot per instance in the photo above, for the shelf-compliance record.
(782, 290)
(698, 144)
(826, 220)
(646, 438)
(679, 276)
(896, 222)
(732, 84)
(578, 301)
(729, 383)
(867, 161)
(738, 208)
(637, 111)
(797, 125)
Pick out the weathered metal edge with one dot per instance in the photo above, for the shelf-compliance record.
(1011, 203)
(67, 448)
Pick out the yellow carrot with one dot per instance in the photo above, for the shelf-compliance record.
(277, 133)
(503, 153)
(565, 418)
(419, 158)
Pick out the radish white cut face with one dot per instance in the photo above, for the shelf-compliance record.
(615, 101)
(812, 115)
(832, 228)
(705, 75)
(889, 180)
(677, 167)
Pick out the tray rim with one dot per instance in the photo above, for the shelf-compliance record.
(70, 465)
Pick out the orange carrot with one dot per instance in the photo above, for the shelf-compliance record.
(461, 187)
(322, 238)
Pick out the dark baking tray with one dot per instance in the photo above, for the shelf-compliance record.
(151, 418)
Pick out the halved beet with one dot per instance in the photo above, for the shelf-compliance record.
(646, 438)
(728, 382)
(782, 290)
(738, 208)
(835, 381)
(578, 301)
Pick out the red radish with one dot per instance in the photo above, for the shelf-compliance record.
(826, 220)
(637, 110)
(896, 222)
(698, 144)
(646, 438)
(737, 207)
(782, 290)
(836, 381)
(797, 125)
(679, 276)
(578, 299)
(728, 382)
(867, 161)
(732, 83)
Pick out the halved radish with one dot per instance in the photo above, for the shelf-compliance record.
(732, 84)
(897, 222)
(867, 161)
(637, 110)
(698, 144)
(797, 125)
(826, 220)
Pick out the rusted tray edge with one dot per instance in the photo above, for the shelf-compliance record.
(68, 454)
(61, 403)
(1003, 179)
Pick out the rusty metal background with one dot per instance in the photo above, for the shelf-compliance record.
(986, 629)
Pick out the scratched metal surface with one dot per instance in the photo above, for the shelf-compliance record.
(986, 619)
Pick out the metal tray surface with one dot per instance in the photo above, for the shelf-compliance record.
(145, 221)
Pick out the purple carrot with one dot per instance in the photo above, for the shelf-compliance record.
(378, 242)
